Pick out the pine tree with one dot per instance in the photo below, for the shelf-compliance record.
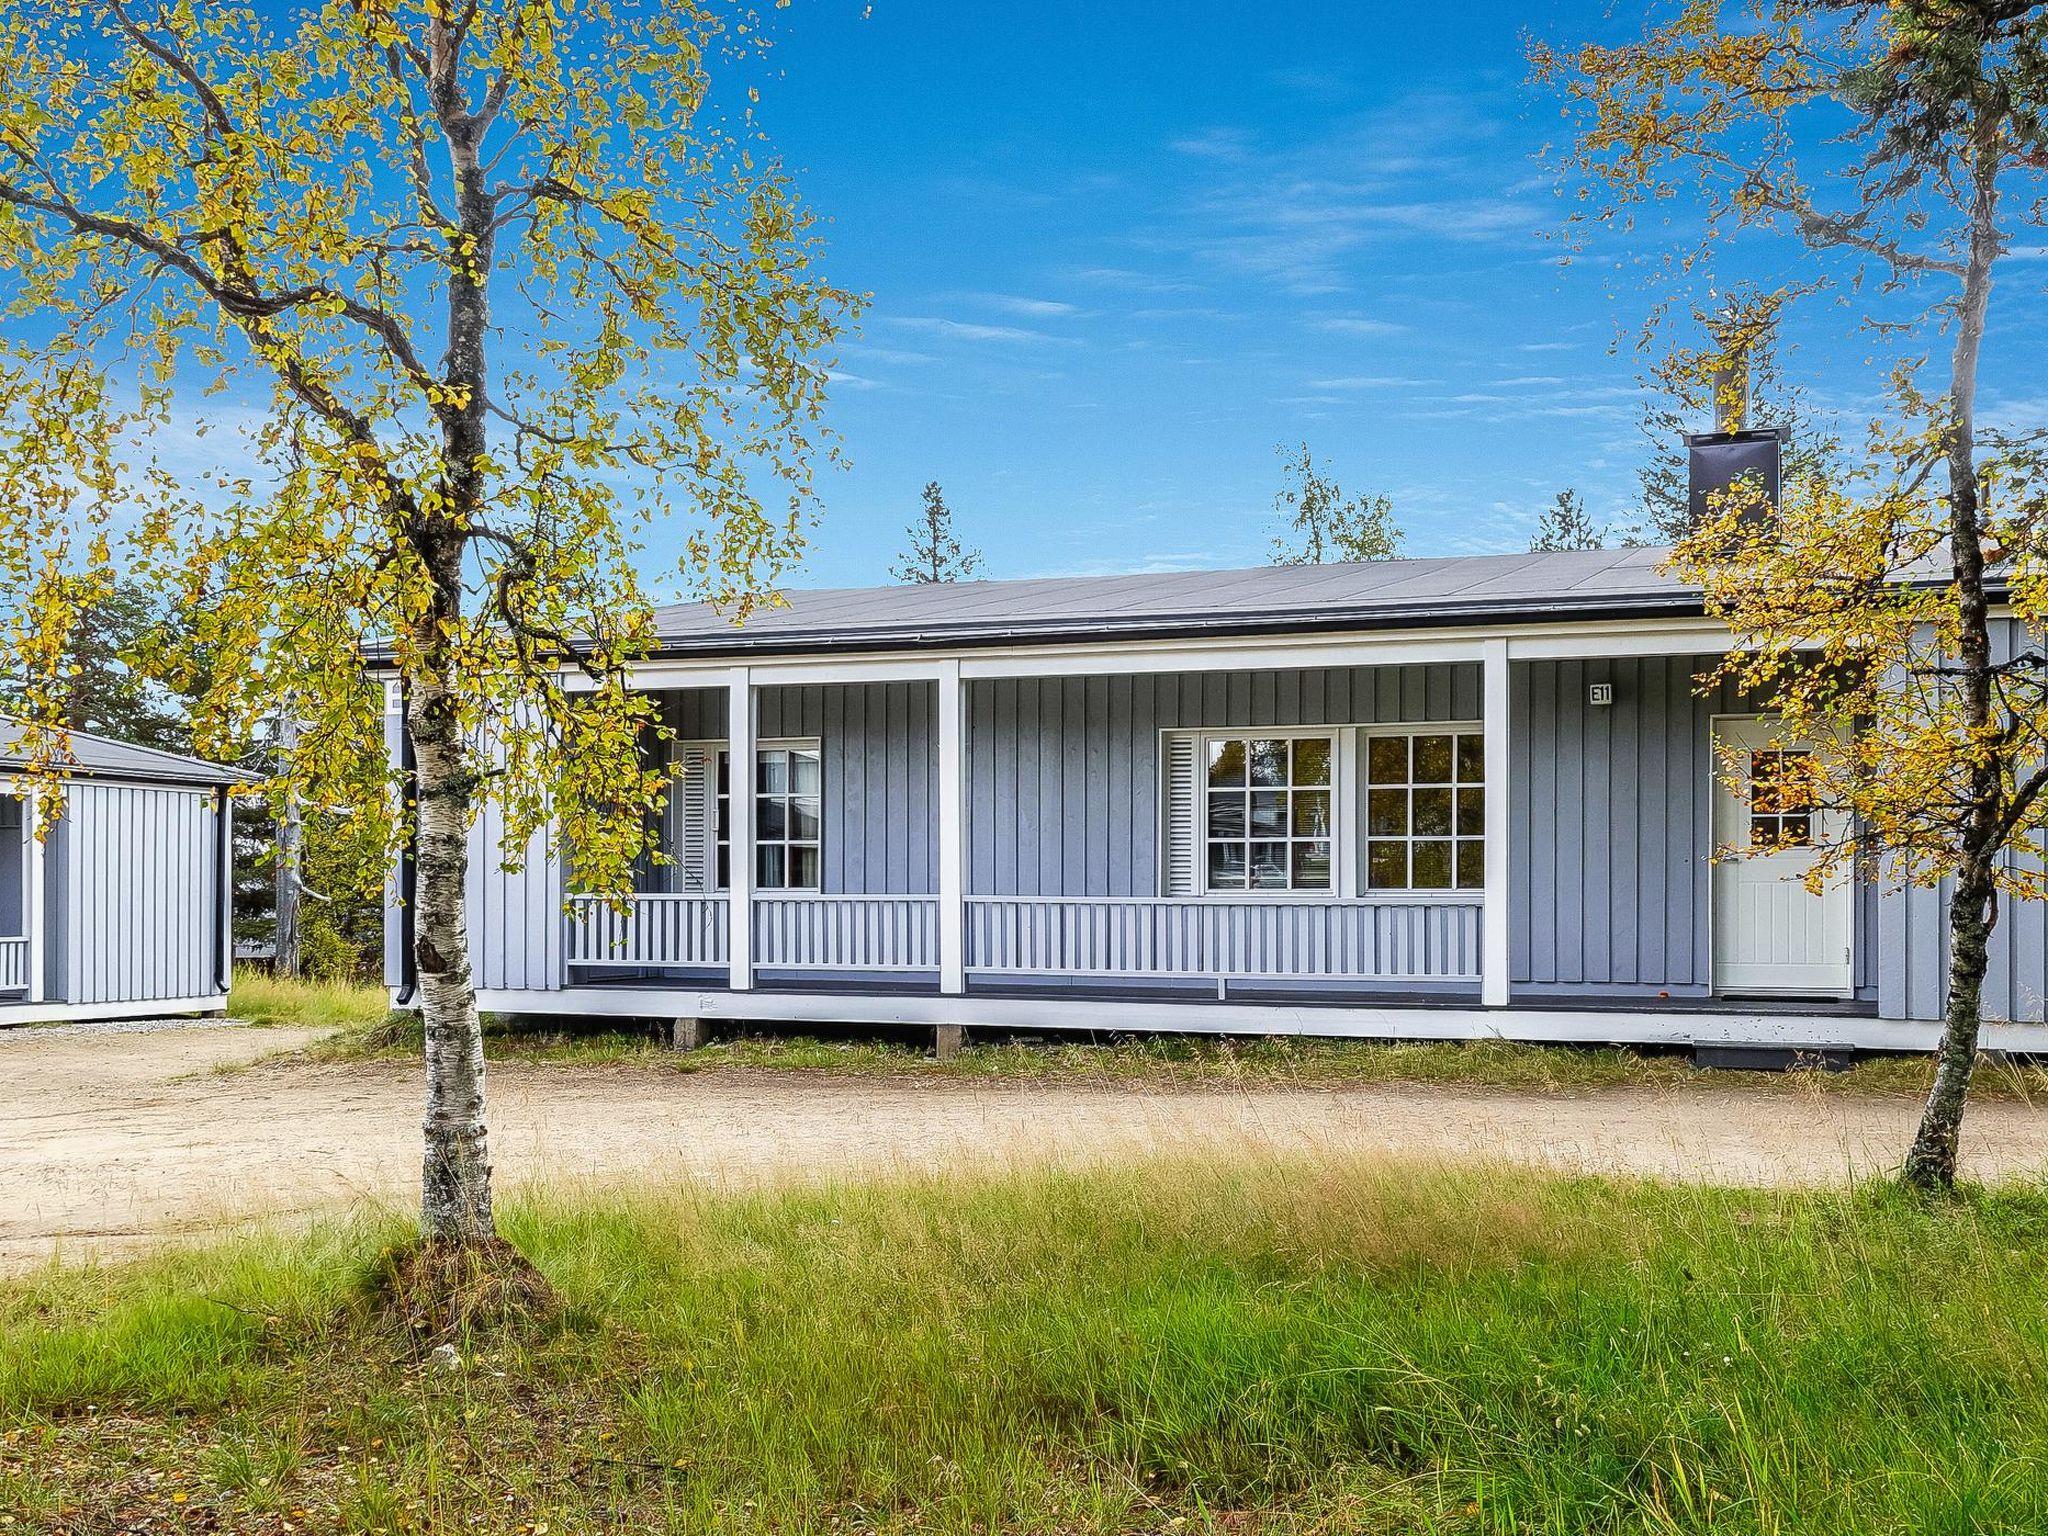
(1317, 523)
(106, 688)
(1565, 525)
(934, 554)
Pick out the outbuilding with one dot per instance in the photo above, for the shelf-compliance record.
(123, 910)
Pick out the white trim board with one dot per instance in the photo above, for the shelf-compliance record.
(76, 1013)
(1556, 1026)
(1218, 653)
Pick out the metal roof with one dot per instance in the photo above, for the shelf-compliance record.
(101, 757)
(1379, 594)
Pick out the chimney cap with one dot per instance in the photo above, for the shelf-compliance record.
(1781, 435)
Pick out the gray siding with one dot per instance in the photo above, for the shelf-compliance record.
(1063, 773)
(1911, 951)
(138, 890)
(1610, 823)
(12, 837)
(1611, 830)
(878, 760)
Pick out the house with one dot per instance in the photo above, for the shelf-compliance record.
(122, 910)
(1418, 798)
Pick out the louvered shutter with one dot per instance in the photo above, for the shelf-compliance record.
(693, 808)
(1181, 868)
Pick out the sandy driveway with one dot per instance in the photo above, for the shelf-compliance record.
(110, 1140)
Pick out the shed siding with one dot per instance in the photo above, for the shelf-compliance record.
(139, 887)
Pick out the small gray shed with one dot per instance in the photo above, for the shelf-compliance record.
(123, 911)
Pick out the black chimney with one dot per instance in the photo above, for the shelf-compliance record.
(1716, 460)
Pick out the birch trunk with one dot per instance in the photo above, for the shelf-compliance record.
(455, 1197)
(1973, 908)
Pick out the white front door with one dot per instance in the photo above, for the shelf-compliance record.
(1772, 934)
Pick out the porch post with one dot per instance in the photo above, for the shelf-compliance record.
(34, 898)
(952, 831)
(1493, 919)
(739, 885)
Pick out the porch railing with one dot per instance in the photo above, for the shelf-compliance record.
(651, 930)
(14, 964)
(1403, 941)
(846, 933)
(1139, 936)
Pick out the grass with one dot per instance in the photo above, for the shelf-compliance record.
(362, 1028)
(1181, 1061)
(1252, 1346)
(263, 999)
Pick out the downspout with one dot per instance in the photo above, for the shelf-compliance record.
(224, 899)
(408, 859)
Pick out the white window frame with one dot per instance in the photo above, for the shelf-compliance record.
(1337, 737)
(720, 754)
(1362, 830)
(1348, 806)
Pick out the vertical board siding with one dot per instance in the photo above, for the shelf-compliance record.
(1912, 949)
(13, 851)
(139, 890)
(1610, 824)
(878, 748)
(1064, 773)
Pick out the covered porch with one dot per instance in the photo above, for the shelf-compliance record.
(1453, 821)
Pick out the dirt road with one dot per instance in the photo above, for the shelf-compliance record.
(109, 1141)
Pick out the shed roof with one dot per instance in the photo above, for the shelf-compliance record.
(102, 757)
(1379, 594)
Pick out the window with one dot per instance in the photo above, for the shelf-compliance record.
(1268, 815)
(786, 817)
(1780, 799)
(1425, 812)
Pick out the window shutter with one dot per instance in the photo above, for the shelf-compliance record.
(1181, 866)
(695, 794)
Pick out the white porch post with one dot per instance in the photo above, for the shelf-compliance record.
(1493, 919)
(34, 899)
(739, 885)
(952, 830)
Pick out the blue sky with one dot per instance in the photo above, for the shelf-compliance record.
(1117, 254)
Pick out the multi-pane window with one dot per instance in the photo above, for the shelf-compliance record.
(1780, 799)
(786, 818)
(1268, 814)
(1425, 811)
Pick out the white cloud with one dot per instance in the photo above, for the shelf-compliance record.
(1358, 325)
(964, 330)
(1021, 304)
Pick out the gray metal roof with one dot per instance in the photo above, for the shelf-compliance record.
(101, 757)
(1377, 594)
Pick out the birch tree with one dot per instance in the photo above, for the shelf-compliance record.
(1902, 143)
(500, 285)
(1319, 523)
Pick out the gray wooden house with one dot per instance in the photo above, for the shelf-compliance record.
(123, 910)
(1417, 798)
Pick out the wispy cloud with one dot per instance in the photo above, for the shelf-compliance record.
(1023, 304)
(966, 330)
(1358, 325)
(1372, 381)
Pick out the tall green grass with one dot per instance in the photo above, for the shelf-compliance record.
(261, 998)
(1300, 1345)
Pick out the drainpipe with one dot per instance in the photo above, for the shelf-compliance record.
(408, 859)
(224, 899)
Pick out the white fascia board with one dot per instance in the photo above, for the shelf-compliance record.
(73, 1013)
(1524, 1021)
(1223, 653)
